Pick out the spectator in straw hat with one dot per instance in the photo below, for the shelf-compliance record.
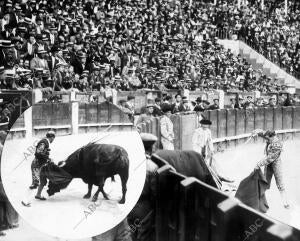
(31, 46)
(5, 48)
(40, 60)
(147, 116)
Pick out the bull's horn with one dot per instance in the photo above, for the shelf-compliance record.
(61, 163)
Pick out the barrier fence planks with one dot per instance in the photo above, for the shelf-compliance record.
(189, 124)
(277, 118)
(57, 114)
(96, 117)
(168, 203)
(177, 127)
(249, 120)
(71, 118)
(230, 124)
(190, 210)
(213, 116)
(259, 122)
(296, 117)
(222, 127)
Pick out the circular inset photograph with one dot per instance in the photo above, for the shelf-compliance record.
(71, 178)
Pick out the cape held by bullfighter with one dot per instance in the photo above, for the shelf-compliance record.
(92, 163)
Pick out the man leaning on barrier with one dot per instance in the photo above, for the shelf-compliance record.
(142, 216)
(166, 127)
(203, 144)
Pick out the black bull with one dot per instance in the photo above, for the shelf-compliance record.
(92, 163)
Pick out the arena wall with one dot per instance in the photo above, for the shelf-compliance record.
(193, 210)
(232, 126)
(70, 118)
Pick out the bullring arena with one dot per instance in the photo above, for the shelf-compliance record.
(193, 74)
(236, 157)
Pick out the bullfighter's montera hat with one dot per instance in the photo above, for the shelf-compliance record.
(205, 122)
(50, 134)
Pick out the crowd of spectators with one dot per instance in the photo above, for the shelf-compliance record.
(272, 32)
(87, 45)
(180, 104)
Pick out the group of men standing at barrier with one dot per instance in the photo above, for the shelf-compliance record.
(181, 104)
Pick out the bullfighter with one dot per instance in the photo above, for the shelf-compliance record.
(41, 157)
(272, 161)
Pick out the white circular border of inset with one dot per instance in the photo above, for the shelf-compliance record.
(66, 214)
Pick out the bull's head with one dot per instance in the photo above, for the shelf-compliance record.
(72, 163)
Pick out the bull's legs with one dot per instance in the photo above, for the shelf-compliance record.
(124, 178)
(88, 195)
(100, 189)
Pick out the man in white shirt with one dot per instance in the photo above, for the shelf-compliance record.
(202, 140)
(203, 144)
(166, 127)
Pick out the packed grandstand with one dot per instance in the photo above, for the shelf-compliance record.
(128, 45)
(156, 59)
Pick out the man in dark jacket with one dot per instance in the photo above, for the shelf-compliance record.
(142, 217)
(41, 157)
(80, 63)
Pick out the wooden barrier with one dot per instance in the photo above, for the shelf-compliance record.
(188, 209)
(190, 124)
(56, 116)
(70, 118)
(230, 125)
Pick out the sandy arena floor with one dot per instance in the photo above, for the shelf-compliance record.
(238, 163)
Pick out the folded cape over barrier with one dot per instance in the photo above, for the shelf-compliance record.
(188, 163)
(251, 191)
(57, 177)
